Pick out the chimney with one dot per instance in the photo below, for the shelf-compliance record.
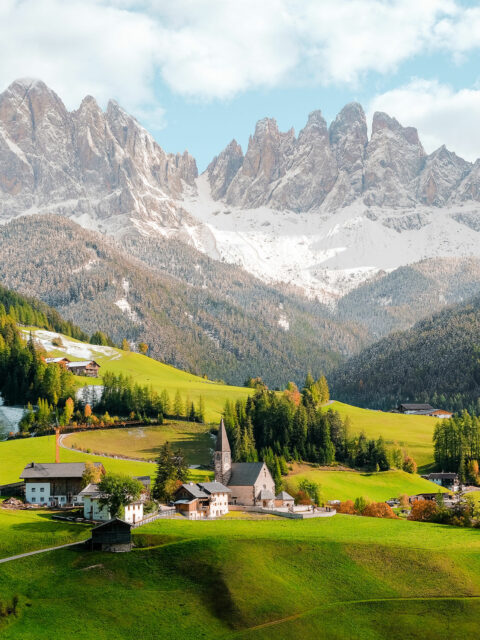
(57, 445)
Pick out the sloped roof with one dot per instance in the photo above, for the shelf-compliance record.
(265, 494)
(283, 495)
(55, 360)
(214, 487)
(245, 474)
(417, 407)
(443, 475)
(222, 439)
(91, 490)
(112, 521)
(81, 363)
(55, 469)
(194, 490)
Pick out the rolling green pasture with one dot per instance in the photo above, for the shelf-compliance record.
(340, 578)
(348, 485)
(414, 433)
(15, 454)
(23, 531)
(144, 442)
(147, 371)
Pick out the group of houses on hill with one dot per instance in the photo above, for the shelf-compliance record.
(88, 368)
(422, 410)
(250, 484)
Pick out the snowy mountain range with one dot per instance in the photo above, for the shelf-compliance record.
(325, 210)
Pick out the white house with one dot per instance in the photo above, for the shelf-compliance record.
(93, 510)
(54, 484)
(202, 500)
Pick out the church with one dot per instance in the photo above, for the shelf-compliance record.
(250, 483)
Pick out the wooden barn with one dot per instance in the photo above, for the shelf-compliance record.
(87, 368)
(114, 535)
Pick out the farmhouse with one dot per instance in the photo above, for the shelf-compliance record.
(444, 479)
(250, 483)
(87, 368)
(422, 410)
(63, 362)
(93, 510)
(202, 500)
(54, 484)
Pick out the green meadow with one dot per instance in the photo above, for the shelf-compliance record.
(414, 433)
(23, 531)
(15, 454)
(340, 578)
(144, 442)
(147, 371)
(345, 485)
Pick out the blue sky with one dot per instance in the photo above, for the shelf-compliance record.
(197, 73)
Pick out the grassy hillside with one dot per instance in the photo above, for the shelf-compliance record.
(23, 531)
(144, 442)
(412, 432)
(345, 577)
(145, 371)
(348, 485)
(15, 454)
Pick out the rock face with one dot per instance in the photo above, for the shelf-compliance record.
(223, 168)
(89, 162)
(441, 175)
(330, 168)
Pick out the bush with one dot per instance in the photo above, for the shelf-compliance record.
(378, 510)
(346, 507)
(423, 511)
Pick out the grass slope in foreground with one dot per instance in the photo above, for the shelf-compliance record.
(144, 442)
(348, 485)
(15, 454)
(145, 371)
(345, 577)
(412, 432)
(23, 531)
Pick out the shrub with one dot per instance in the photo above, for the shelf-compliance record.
(378, 510)
(346, 507)
(423, 511)
(361, 503)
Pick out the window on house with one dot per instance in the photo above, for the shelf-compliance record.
(33, 489)
(42, 489)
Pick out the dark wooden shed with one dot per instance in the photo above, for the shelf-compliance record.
(114, 535)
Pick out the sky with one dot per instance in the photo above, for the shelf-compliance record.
(197, 73)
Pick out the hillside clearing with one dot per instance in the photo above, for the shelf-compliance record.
(348, 485)
(414, 433)
(144, 442)
(145, 371)
(15, 454)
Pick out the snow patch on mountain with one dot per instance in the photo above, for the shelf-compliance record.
(327, 254)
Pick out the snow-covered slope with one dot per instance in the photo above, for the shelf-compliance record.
(329, 253)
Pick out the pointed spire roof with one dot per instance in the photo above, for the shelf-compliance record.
(222, 439)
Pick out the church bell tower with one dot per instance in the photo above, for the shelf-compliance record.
(223, 456)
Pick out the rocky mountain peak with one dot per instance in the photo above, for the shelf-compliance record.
(84, 162)
(223, 169)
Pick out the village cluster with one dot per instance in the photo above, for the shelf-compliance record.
(246, 486)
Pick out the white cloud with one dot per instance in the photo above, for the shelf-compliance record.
(211, 49)
(442, 115)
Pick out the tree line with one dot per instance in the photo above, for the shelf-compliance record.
(294, 425)
(456, 446)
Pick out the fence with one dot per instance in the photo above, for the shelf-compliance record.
(165, 513)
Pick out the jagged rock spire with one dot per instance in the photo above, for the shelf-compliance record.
(222, 439)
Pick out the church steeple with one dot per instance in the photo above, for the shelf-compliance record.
(223, 456)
